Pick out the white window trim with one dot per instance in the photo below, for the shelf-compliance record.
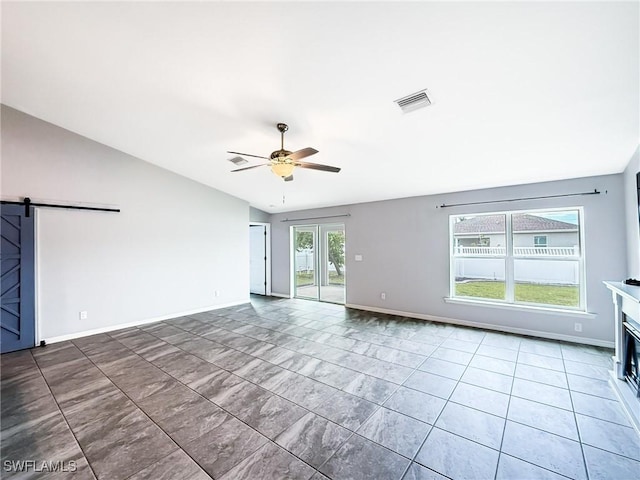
(519, 307)
(509, 259)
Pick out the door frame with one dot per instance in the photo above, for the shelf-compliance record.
(267, 250)
(320, 256)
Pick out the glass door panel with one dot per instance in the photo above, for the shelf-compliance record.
(305, 262)
(332, 272)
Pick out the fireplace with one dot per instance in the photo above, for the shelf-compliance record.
(632, 356)
(625, 376)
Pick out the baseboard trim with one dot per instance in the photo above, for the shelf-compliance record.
(111, 328)
(487, 326)
(280, 295)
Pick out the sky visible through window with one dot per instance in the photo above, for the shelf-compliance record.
(569, 216)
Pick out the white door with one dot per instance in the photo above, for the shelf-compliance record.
(258, 259)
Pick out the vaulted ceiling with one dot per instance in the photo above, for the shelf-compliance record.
(522, 92)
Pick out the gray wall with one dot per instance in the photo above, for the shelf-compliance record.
(391, 235)
(633, 229)
(256, 215)
(175, 243)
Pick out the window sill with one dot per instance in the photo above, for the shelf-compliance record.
(526, 308)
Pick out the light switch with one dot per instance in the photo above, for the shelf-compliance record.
(358, 258)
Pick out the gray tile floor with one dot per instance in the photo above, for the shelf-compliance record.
(299, 389)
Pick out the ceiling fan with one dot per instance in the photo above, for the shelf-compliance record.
(283, 162)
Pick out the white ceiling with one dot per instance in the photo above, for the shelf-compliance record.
(522, 92)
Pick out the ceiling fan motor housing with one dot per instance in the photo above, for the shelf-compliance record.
(280, 155)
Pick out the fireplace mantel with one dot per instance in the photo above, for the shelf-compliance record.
(626, 304)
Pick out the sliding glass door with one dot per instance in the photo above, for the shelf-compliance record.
(319, 262)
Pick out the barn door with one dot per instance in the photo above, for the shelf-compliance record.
(17, 314)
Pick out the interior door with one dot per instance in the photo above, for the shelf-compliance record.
(17, 291)
(258, 259)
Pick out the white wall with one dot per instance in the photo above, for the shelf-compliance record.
(173, 245)
(633, 229)
(404, 244)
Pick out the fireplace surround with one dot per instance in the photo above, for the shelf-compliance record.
(625, 377)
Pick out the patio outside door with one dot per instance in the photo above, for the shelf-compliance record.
(319, 271)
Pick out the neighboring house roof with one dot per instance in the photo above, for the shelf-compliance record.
(524, 222)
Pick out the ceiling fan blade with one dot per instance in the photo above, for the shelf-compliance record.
(289, 178)
(305, 152)
(317, 166)
(249, 168)
(249, 155)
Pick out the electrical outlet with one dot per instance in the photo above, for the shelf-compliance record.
(383, 296)
(577, 327)
(216, 293)
(83, 315)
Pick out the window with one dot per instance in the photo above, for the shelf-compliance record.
(540, 241)
(507, 257)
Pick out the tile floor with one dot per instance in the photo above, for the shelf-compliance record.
(298, 389)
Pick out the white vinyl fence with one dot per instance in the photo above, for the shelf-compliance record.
(519, 251)
(479, 265)
(304, 262)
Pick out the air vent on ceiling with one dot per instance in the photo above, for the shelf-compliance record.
(414, 101)
(238, 161)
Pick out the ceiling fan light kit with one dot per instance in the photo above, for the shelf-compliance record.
(283, 162)
(283, 169)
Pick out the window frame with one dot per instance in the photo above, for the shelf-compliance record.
(510, 258)
(538, 244)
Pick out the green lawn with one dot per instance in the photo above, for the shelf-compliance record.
(567, 296)
(303, 279)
